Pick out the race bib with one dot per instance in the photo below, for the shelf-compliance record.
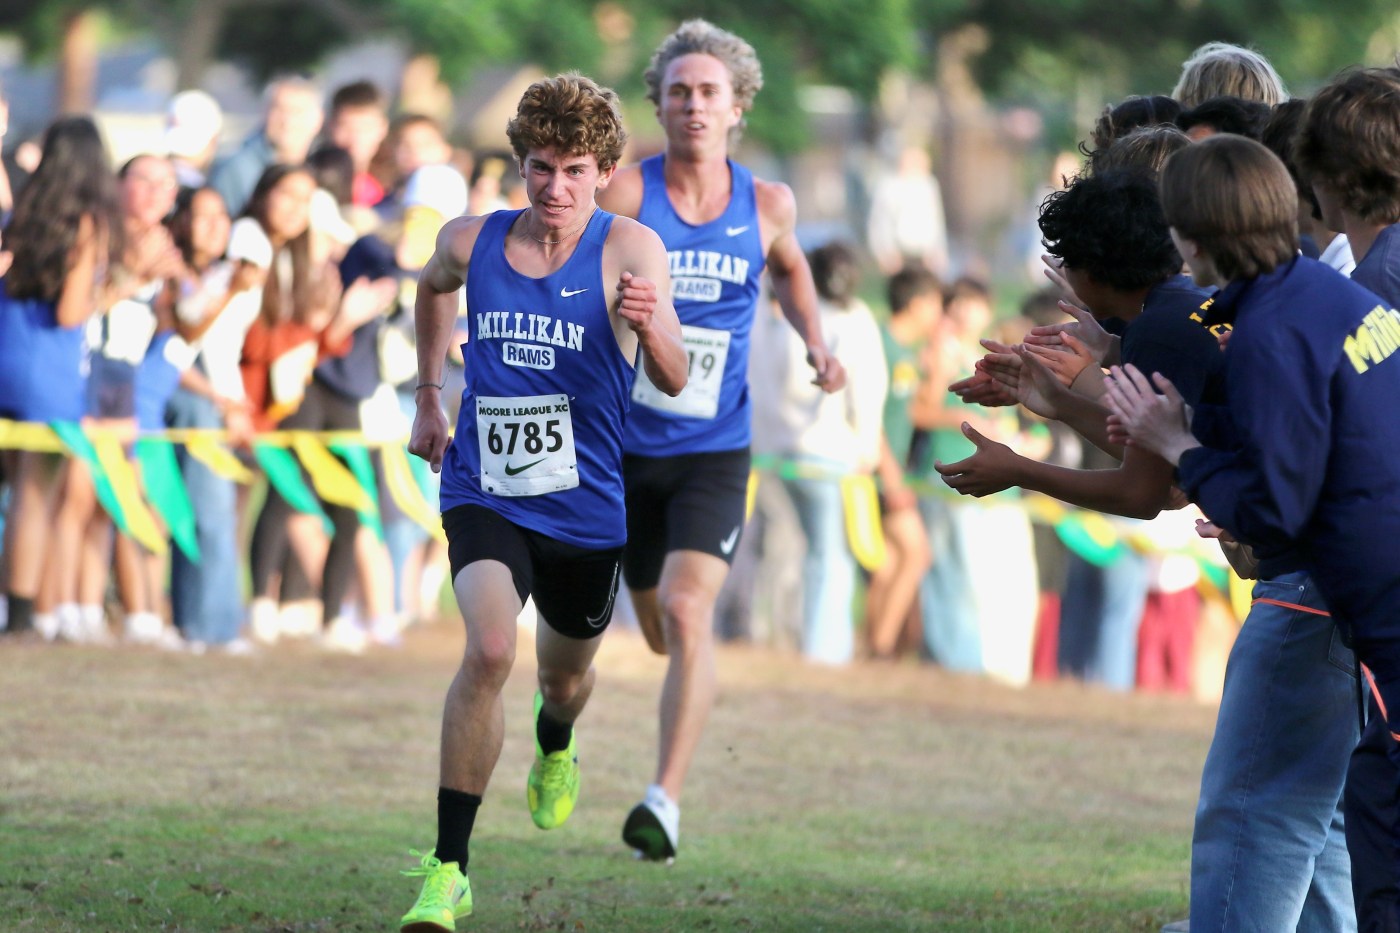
(526, 444)
(707, 351)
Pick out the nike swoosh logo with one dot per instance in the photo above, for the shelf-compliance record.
(565, 293)
(735, 231)
(515, 471)
(727, 544)
(606, 614)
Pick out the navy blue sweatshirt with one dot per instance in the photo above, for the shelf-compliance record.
(1312, 384)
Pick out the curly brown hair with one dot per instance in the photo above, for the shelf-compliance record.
(1147, 149)
(572, 115)
(698, 36)
(1349, 140)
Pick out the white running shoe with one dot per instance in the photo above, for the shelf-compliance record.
(387, 631)
(345, 636)
(263, 622)
(300, 618)
(653, 828)
(94, 624)
(69, 623)
(238, 648)
(47, 625)
(142, 628)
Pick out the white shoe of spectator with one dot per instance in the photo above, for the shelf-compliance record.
(238, 648)
(47, 625)
(171, 640)
(262, 621)
(142, 628)
(69, 623)
(345, 636)
(387, 631)
(300, 619)
(94, 624)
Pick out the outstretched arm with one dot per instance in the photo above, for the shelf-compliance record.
(792, 281)
(1140, 488)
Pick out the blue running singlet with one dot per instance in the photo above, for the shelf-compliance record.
(158, 376)
(43, 367)
(539, 436)
(714, 284)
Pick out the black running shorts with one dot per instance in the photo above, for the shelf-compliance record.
(573, 587)
(690, 502)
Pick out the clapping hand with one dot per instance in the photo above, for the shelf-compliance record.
(1142, 418)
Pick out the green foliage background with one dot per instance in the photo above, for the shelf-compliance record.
(1043, 53)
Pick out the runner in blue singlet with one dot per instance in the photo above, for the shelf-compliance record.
(687, 459)
(564, 301)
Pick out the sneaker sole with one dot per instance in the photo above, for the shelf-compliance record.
(429, 926)
(645, 834)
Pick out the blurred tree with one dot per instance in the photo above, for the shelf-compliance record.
(1108, 49)
(799, 41)
(1056, 49)
(68, 27)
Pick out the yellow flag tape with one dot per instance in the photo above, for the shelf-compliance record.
(398, 476)
(140, 523)
(333, 480)
(864, 532)
(30, 436)
(208, 450)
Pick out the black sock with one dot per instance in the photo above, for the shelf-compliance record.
(552, 734)
(21, 614)
(456, 816)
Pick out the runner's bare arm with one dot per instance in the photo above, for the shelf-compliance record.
(792, 279)
(645, 316)
(435, 317)
(623, 195)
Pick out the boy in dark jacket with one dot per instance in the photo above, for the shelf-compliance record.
(1305, 453)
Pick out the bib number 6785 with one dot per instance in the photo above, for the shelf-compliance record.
(531, 437)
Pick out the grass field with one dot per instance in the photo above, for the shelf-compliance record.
(141, 791)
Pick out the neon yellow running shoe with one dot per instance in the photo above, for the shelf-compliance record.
(552, 789)
(446, 897)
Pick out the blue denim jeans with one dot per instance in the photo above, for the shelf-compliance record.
(1373, 824)
(205, 598)
(952, 629)
(828, 571)
(1099, 618)
(1269, 850)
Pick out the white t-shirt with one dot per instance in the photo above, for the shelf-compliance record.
(221, 346)
(792, 417)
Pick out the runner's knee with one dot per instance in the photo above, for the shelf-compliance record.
(560, 687)
(490, 657)
(687, 615)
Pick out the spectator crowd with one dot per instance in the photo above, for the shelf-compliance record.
(222, 288)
